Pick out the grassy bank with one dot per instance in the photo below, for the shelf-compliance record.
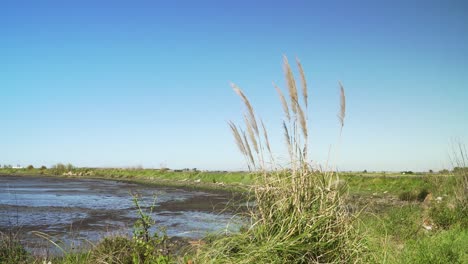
(392, 213)
(230, 181)
(394, 229)
(357, 182)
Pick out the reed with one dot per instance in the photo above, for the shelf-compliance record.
(299, 216)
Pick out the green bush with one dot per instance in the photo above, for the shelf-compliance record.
(147, 247)
(59, 169)
(11, 250)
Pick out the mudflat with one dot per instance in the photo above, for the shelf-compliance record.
(71, 209)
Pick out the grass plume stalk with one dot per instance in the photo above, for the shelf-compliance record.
(459, 159)
(342, 112)
(299, 216)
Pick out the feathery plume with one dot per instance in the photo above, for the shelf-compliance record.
(342, 113)
(265, 134)
(284, 103)
(291, 83)
(248, 150)
(302, 121)
(250, 132)
(237, 137)
(303, 82)
(250, 110)
(288, 140)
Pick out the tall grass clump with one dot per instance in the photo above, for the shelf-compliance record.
(460, 171)
(454, 210)
(299, 214)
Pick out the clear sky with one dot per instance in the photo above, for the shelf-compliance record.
(128, 83)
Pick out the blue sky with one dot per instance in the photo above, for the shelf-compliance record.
(128, 83)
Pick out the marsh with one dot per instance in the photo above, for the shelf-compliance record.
(77, 210)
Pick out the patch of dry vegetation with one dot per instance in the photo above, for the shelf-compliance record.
(299, 214)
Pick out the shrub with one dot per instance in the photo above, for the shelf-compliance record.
(59, 169)
(298, 216)
(147, 247)
(69, 167)
(11, 249)
(30, 167)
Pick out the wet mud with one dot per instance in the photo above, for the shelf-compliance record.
(74, 210)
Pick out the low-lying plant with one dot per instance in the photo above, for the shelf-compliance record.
(147, 247)
(11, 249)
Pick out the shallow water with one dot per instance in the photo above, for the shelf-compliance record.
(74, 210)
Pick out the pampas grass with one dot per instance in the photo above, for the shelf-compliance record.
(342, 112)
(291, 84)
(459, 159)
(298, 217)
(284, 103)
(303, 82)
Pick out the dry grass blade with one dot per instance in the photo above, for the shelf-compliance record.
(287, 137)
(302, 121)
(284, 103)
(251, 134)
(249, 107)
(48, 238)
(459, 159)
(265, 134)
(291, 83)
(237, 137)
(248, 150)
(303, 82)
(303, 124)
(342, 113)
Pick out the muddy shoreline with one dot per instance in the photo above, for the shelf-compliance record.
(70, 209)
